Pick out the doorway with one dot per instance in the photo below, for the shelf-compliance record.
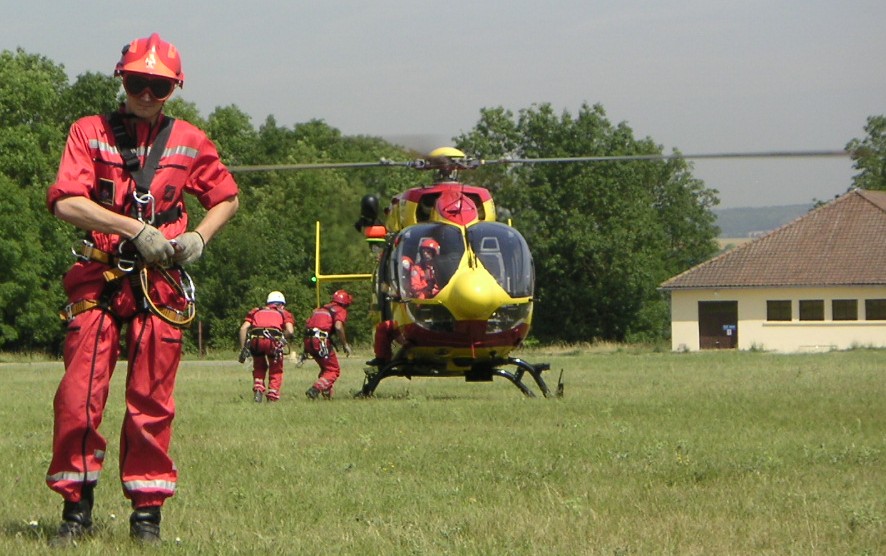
(718, 324)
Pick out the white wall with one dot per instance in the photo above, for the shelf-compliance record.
(794, 336)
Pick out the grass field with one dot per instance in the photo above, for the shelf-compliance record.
(647, 453)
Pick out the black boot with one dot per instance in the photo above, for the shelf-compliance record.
(144, 525)
(76, 518)
(312, 393)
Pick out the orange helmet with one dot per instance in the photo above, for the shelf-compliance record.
(430, 243)
(151, 56)
(342, 297)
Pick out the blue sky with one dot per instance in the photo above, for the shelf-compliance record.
(697, 75)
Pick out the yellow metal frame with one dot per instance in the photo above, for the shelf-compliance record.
(322, 278)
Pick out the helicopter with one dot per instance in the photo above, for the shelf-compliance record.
(480, 310)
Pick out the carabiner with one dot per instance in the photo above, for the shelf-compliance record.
(140, 202)
(187, 286)
(78, 253)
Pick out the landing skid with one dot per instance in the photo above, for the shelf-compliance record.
(480, 373)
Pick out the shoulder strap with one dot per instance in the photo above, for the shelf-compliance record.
(142, 175)
(332, 312)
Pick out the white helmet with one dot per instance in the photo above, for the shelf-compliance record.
(276, 297)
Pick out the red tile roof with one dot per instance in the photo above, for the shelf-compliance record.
(838, 244)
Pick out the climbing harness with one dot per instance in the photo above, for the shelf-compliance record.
(323, 336)
(276, 337)
(126, 262)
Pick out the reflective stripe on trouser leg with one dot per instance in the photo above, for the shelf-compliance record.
(147, 472)
(78, 449)
(329, 371)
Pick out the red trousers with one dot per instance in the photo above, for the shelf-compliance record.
(147, 473)
(385, 333)
(267, 361)
(330, 369)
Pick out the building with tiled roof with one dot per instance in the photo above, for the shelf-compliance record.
(818, 283)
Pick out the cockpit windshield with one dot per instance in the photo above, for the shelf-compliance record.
(424, 259)
(505, 254)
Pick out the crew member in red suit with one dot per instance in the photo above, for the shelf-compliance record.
(263, 335)
(319, 329)
(122, 179)
(423, 275)
(422, 284)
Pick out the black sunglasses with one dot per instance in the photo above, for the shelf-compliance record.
(159, 88)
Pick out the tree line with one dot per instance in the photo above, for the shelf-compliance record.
(603, 236)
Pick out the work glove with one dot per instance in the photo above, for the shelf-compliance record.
(244, 354)
(188, 247)
(348, 350)
(153, 246)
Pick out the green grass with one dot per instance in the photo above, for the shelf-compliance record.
(647, 453)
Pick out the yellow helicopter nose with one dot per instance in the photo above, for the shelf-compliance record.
(474, 294)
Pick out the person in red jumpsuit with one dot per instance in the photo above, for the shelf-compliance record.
(422, 274)
(126, 192)
(319, 328)
(263, 335)
(422, 285)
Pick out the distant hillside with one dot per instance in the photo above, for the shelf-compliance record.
(748, 221)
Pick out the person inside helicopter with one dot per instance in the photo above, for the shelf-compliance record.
(423, 274)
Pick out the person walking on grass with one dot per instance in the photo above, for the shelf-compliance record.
(322, 326)
(263, 336)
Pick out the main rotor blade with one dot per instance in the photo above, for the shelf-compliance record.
(765, 154)
(316, 166)
(421, 164)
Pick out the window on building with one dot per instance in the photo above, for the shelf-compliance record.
(779, 309)
(811, 309)
(844, 309)
(875, 309)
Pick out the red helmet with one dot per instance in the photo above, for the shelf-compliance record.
(151, 56)
(342, 297)
(430, 243)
